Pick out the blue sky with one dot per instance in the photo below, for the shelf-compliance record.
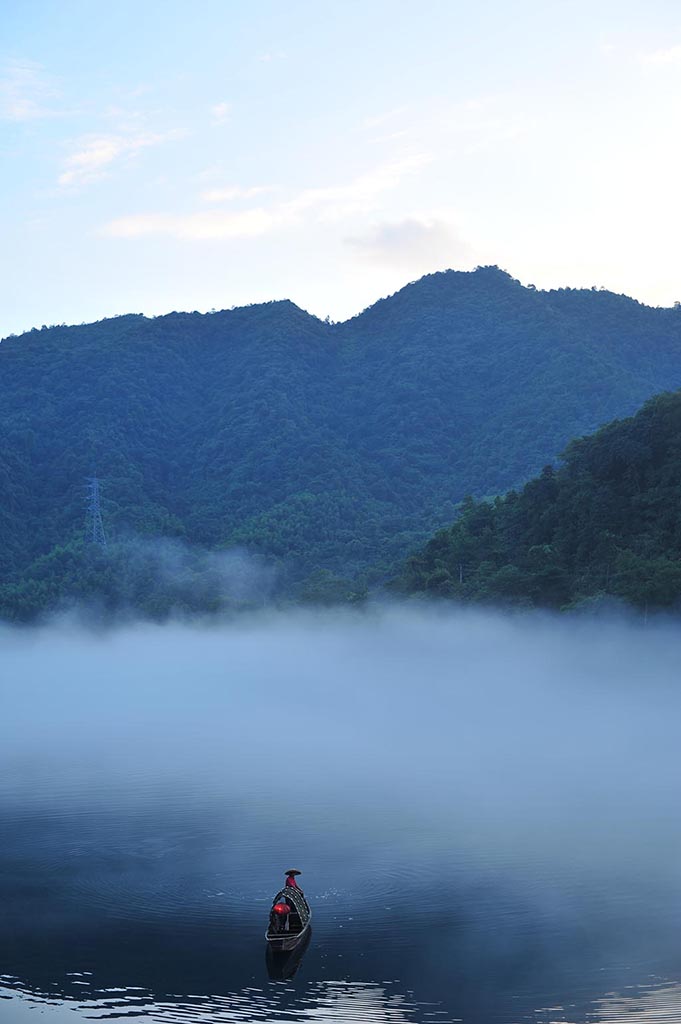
(174, 155)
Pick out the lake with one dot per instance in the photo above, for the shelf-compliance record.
(484, 808)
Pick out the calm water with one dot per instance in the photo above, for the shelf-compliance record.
(485, 811)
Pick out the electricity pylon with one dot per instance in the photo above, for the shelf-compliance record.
(94, 525)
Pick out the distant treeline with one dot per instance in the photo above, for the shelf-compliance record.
(606, 523)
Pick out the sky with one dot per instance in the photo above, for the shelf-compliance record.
(169, 155)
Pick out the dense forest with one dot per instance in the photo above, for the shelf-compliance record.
(606, 523)
(330, 451)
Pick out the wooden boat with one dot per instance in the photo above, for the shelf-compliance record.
(290, 917)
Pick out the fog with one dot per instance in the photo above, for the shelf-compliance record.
(530, 731)
(484, 807)
(189, 571)
(162, 577)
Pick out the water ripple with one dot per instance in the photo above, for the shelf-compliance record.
(360, 1003)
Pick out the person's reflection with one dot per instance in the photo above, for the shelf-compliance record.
(281, 964)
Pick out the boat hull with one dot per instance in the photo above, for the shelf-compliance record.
(287, 940)
(282, 963)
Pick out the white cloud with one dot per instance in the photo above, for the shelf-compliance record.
(220, 112)
(96, 153)
(670, 55)
(25, 91)
(412, 244)
(320, 205)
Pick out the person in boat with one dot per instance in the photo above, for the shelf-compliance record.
(291, 879)
(280, 916)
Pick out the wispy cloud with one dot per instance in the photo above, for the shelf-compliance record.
(95, 154)
(337, 202)
(668, 55)
(329, 204)
(25, 92)
(203, 226)
(387, 117)
(468, 127)
(125, 120)
(220, 112)
(480, 124)
(412, 244)
(228, 195)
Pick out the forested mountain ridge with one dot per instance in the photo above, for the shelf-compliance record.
(606, 523)
(322, 446)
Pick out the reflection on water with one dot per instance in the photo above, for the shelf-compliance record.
(659, 1003)
(329, 1000)
(341, 1001)
(485, 811)
(138, 914)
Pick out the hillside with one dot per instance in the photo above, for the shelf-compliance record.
(607, 522)
(336, 447)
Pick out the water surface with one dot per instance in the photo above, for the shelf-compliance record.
(484, 809)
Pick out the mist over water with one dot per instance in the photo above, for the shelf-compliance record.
(484, 807)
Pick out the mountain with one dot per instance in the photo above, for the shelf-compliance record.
(607, 522)
(329, 449)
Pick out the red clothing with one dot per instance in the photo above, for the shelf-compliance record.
(292, 882)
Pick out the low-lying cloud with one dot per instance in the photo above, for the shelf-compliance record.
(526, 731)
(164, 577)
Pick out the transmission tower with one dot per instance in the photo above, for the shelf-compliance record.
(94, 525)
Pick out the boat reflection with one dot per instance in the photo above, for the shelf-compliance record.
(283, 964)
